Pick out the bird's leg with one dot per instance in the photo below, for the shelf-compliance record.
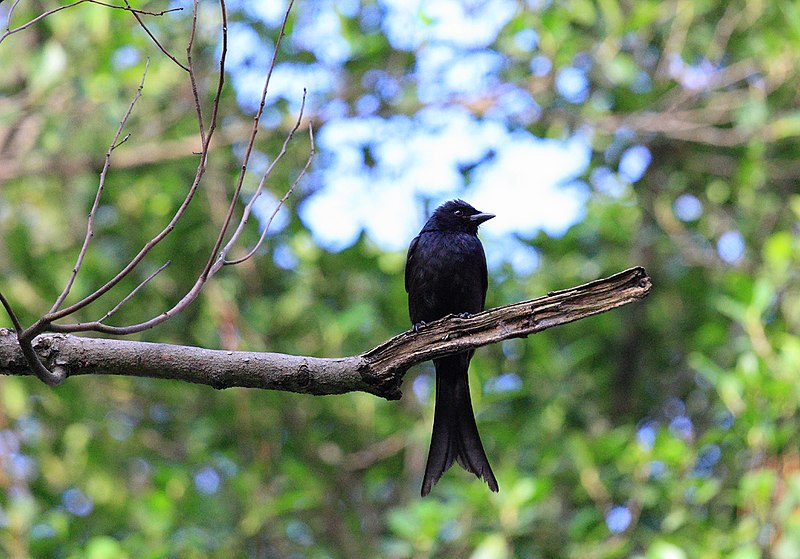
(418, 325)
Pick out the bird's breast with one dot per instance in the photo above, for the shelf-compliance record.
(448, 276)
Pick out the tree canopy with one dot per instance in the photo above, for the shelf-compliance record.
(660, 134)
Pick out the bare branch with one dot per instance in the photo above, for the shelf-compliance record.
(378, 371)
(90, 221)
(518, 320)
(46, 321)
(11, 314)
(122, 141)
(9, 31)
(127, 8)
(281, 202)
(153, 37)
(220, 81)
(97, 326)
(35, 20)
(29, 355)
(248, 208)
(216, 259)
(130, 295)
(192, 78)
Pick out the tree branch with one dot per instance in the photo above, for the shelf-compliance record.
(378, 371)
(9, 31)
(100, 187)
(217, 258)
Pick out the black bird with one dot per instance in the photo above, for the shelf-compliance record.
(446, 274)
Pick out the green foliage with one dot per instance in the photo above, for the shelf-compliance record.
(664, 430)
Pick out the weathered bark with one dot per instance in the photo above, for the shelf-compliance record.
(378, 371)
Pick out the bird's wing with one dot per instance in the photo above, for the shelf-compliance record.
(484, 276)
(412, 247)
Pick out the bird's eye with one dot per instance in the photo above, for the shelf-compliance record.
(457, 212)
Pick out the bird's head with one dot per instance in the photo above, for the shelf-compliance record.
(456, 215)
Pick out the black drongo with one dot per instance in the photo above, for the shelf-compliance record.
(446, 274)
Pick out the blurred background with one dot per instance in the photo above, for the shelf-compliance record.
(603, 134)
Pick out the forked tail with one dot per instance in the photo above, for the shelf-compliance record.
(455, 435)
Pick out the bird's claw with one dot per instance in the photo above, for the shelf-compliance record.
(418, 325)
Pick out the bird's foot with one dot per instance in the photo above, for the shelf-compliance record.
(418, 325)
(464, 315)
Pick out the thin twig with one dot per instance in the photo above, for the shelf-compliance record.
(35, 20)
(40, 17)
(192, 78)
(51, 378)
(128, 8)
(12, 315)
(281, 202)
(216, 260)
(130, 295)
(100, 187)
(48, 320)
(220, 79)
(10, 14)
(153, 37)
(122, 141)
(248, 208)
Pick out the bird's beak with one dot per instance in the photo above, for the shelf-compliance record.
(480, 218)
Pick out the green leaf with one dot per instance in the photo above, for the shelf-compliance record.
(661, 549)
(492, 547)
(104, 547)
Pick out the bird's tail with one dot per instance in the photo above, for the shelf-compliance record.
(455, 434)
